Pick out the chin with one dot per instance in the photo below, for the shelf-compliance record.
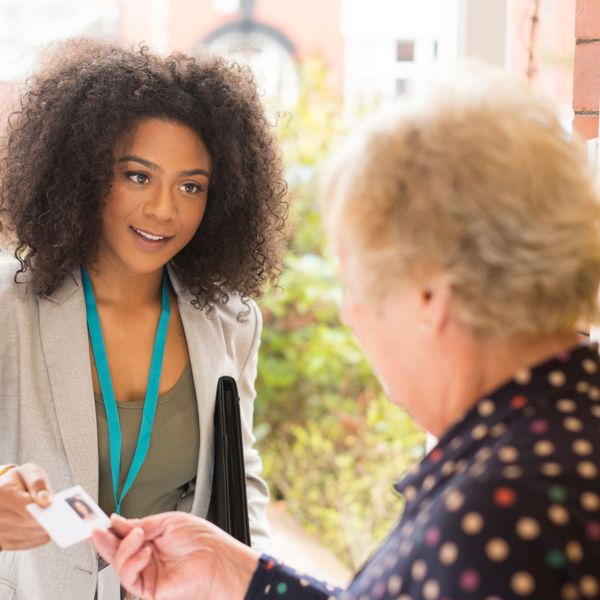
(146, 267)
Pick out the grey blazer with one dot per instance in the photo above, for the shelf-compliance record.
(47, 415)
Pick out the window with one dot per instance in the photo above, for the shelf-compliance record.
(401, 86)
(271, 62)
(405, 51)
(27, 26)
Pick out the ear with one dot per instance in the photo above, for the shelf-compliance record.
(435, 298)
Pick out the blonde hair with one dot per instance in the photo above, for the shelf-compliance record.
(478, 179)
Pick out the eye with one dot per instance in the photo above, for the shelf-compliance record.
(191, 188)
(137, 177)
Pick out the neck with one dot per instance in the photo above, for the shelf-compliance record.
(117, 287)
(478, 367)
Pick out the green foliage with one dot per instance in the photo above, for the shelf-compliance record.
(331, 443)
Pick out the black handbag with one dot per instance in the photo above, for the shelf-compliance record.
(228, 504)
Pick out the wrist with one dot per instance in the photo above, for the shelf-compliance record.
(238, 565)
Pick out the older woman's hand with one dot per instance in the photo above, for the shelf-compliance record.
(176, 556)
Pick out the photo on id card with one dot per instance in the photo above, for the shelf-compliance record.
(71, 517)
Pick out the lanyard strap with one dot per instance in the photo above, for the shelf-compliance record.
(108, 394)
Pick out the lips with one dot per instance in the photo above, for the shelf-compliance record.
(150, 235)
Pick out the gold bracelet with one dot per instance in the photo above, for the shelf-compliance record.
(5, 468)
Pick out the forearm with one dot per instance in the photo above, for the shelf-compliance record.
(273, 575)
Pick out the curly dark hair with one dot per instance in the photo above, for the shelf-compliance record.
(57, 159)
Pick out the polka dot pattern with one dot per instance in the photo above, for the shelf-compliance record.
(539, 426)
(566, 406)
(504, 496)
(469, 580)
(587, 469)
(527, 528)
(555, 559)
(508, 454)
(454, 500)
(569, 591)
(551, 469)
(522, 583)
(448, 553)
(543, 448)
(557, 378)
(572, 424)
(472, 523)
(589, 586)
(582, 447)
(558, 514)
(522, 376)
(486, 407)
(497, 549)
(590, 501)
(507, 505)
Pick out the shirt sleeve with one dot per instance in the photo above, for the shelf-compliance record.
(273, 579)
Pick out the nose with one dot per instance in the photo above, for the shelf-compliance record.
(161, 205)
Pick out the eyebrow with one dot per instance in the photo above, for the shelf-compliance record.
(155, 167)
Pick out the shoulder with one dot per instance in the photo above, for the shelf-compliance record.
(238, 317)
(240, 322)
(10, 291)
(232, 328)
(237, 312)
(18, 304)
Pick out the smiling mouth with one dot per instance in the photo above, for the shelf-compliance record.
(153, 237)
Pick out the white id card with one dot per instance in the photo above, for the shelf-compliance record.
(108, 584)
(71, 517)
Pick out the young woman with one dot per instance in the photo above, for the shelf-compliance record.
(143, 199)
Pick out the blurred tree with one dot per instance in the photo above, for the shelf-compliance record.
(332, 444)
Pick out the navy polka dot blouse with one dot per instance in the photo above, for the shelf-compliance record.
(506, 506)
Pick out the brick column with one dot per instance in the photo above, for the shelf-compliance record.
(586, 81)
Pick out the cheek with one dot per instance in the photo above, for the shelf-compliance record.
(197, 211)
(110, 216)
(191, 216)
(117, 206)
(358, 317)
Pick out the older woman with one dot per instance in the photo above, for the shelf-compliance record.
(468, 231)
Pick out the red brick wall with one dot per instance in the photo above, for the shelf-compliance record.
(586, 81)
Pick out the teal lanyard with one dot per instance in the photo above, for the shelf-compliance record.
(108, 394)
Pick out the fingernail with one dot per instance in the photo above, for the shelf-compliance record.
(43, 496)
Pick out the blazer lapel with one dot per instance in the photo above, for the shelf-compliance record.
(207, 358)
(65, 345)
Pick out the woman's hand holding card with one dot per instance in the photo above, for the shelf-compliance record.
(19, 487)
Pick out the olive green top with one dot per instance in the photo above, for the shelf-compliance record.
(172, 458)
